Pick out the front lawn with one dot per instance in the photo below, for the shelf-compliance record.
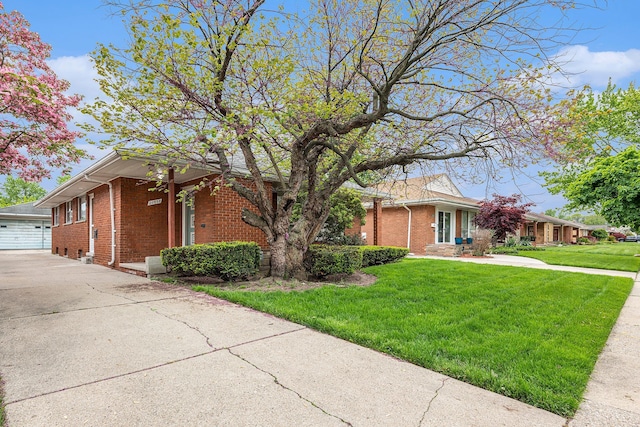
(616, 256)
(533, 335)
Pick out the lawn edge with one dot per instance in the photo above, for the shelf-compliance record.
(3, 419)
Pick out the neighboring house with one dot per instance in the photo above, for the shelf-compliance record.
(544, 229)
(425, 214)
(111, 213)
(25, 227)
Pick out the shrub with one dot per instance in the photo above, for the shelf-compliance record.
(618, 236)
(584, 241)
(227, 260)
(600, 234)
(323, 260)
(377, 255)
(346, 240)
(481, 242)
(510, 242)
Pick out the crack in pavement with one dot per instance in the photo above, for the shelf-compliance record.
(125, 374)
(424, 414)
(277, 382)
(109, 293)
(133, 302)
(195, 328)
(149, 368)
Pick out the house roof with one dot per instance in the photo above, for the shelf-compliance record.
(535, 217)
(24, 211)
(128, 165)
(122, 163)
(432, 190)
(420, 187)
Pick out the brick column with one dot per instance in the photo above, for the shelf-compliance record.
(377, 222)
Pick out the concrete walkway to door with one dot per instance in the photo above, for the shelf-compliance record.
(87, 345)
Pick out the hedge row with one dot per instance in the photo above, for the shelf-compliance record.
(240, 260)
(227, 260)
(324, 260)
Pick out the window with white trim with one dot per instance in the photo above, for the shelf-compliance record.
(468, 227)
(56, 215)
(68, 212)
(82, 208)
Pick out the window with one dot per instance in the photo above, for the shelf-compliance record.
(56, 215)
(82, 208)
(68, 215)
(467, 224)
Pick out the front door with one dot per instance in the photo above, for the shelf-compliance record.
(189, 226)
(444, 227)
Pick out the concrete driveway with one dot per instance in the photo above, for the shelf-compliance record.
(86, 345)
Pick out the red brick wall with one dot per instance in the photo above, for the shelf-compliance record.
(142, 230)
(101, 224)
(394, 227)
(218, 217)
(70, 239)
(422, 234)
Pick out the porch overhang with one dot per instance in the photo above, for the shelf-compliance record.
(114, 165)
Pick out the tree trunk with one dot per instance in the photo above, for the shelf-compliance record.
(287, 257)
(291, 241)
(296, 249)
(278, 257)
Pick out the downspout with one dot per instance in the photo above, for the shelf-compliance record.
(113, 219)
(408, 228)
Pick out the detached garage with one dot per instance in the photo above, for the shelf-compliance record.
(25, 227)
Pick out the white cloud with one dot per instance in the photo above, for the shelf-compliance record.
(583, 66)
(79, 71)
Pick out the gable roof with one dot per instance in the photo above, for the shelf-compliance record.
(432, 190)
(420, 187)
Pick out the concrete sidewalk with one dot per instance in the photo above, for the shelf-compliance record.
(520, 261)
(86, 345)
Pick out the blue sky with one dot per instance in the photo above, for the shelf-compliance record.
(608, 47)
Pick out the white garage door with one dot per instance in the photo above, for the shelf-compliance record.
(26, 234)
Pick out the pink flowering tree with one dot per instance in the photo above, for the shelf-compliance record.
(503, 215)
(34, 137)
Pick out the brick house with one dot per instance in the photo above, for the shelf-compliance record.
(425, 214)
(547, 229)
(111, 213)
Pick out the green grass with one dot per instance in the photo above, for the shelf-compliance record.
(617, 256)
(2, 416)
(533, 335)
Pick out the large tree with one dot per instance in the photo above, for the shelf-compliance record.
(599, 168)
(34, 137)
(14, 191)
(340, 91)
(611, 186)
